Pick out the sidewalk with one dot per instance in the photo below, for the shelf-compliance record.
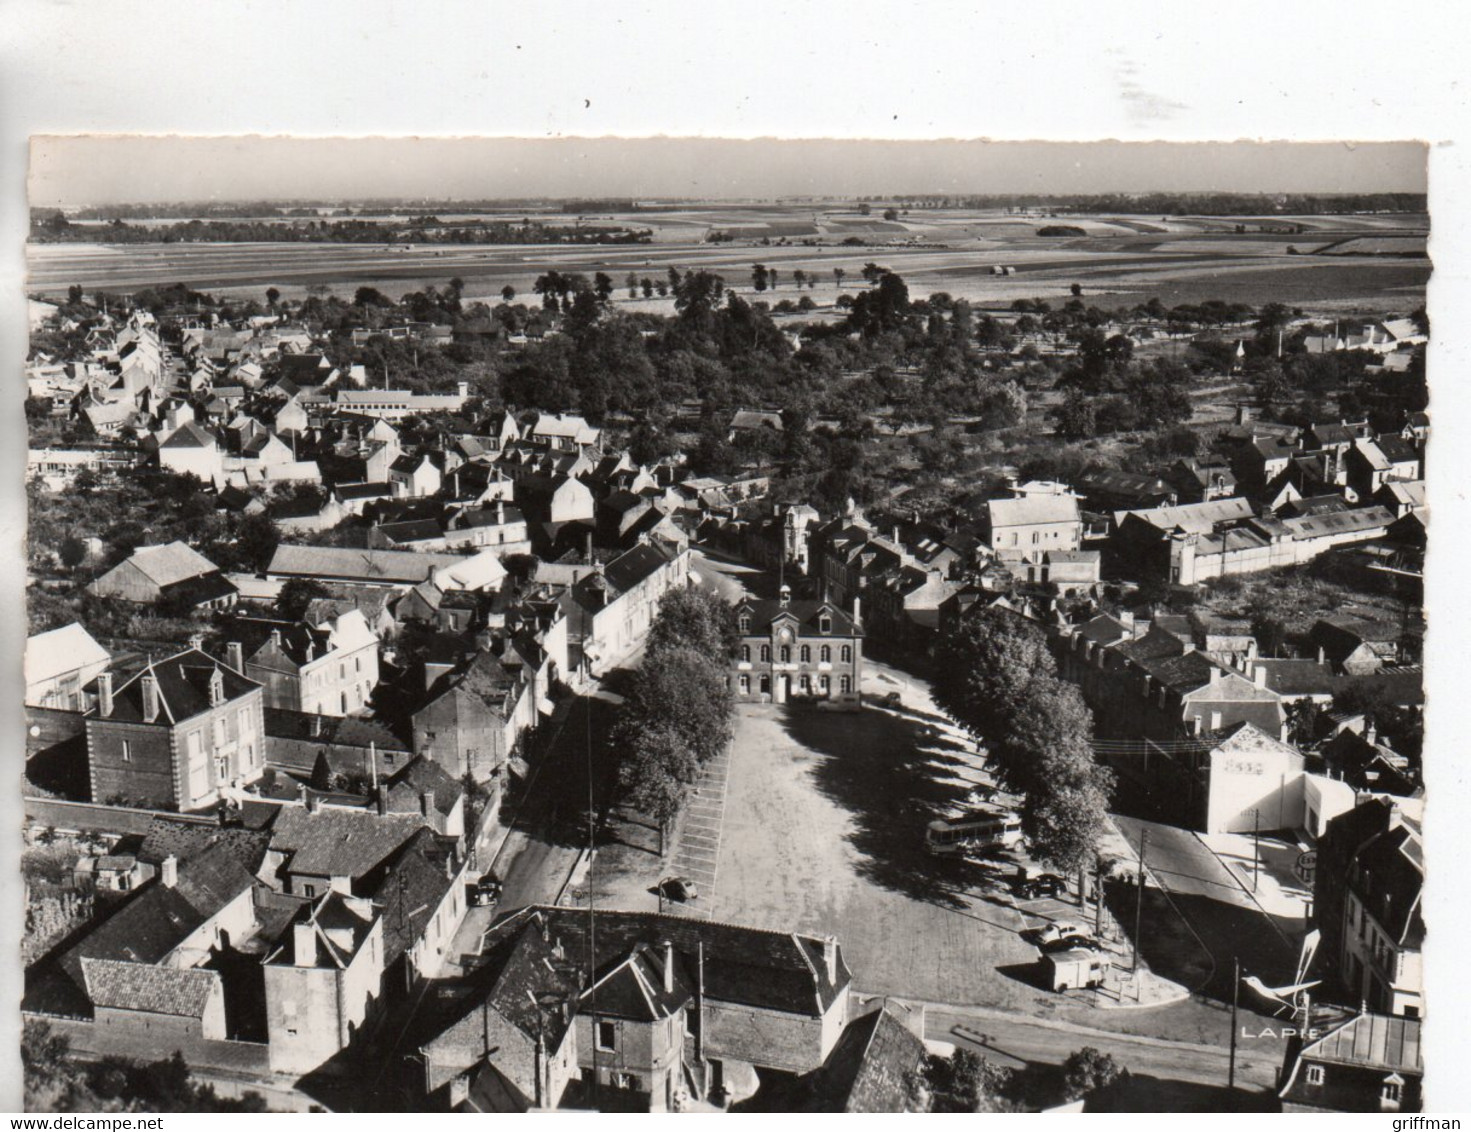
(697, 840)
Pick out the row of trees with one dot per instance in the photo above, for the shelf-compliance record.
(678, 712)
(997, 677)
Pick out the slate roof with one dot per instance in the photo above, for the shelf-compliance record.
(780, 971)
(336, 842)
(183, 689)
(1358, 1057)
(184, 992)
(868, 1068)
(420, 775)
(169, 837)
(1338, 522)
(156, 919)
(1389, 876)
(337, 731)
(765, 611)
(412, 889)
(189, 435)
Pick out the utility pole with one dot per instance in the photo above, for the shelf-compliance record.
(1139, 900)
(1256, 847)
(1098, 897)
(1235, 1004)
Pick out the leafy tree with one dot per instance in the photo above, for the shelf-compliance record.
(683, 689)
(73, 552)
(631, 282)
(508, 292)
(296, 595)
(695, 618)
(603, 287)
(838, 275)
(758, 276)
(891, 214)
(985, 664)
(1088, 1070)
(646, 285)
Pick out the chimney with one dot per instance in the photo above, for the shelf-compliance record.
(313, 802)
(1321, 654)
(316, 726)
(1260, 676)
(1394, 819)
(149, 685)
(382, 800)
(311, 652)
(668, 967)
(276, 637)
(1371, 733)
(426, 803)
(857, 612)
(168, 872)
(304, 944)
(104, 694)
(830, 959)
(196, 641)
(235, 656)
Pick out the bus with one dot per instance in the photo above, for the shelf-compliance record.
(981, 829)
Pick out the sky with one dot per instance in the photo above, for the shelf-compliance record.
(89, 170)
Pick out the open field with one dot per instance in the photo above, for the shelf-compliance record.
(1372, 264)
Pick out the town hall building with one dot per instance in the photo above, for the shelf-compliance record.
(795, 650)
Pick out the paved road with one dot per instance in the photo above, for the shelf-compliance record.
(1014, 1040)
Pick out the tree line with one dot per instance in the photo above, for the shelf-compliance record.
(997, 677)
(679, 709)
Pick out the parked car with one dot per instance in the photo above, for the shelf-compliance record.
(1047, 884)
(1058, 929)
(1074, 942)
(681, 889)
(485, 891)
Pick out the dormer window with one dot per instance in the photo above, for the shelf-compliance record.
(1315, 1074)
(825, 623)
(1390, 1093)
(745, 622)
(216, 689)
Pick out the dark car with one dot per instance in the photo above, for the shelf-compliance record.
(681, 889)
(1047, 884)
(1072, 943)
(485, 891)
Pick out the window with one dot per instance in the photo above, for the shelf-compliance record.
(242, 723)
(1036, 538)
(220, 731)
(127, 751)
(805, 683)
(765, 653)
(846, 684)
(766, 685)
(847, 654)
(806, 654)
(1390, 1094)
(786, 654)
(746, 653)
(825, 624)
(1315, 1074)
(358, 660)
(607, 1035)
(745, 623)
(826, 655)
(344, 703)
(826, 684)
(745, 685)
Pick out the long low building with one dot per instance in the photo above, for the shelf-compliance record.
(362, 567)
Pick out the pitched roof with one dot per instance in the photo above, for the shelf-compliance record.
(869, 1068)
(1193, 518)
(61, 651)
(412, 889)
(189, 435)
(336, 842)
(1377, 1040)
(166, 563)
(806, 614)
(157, 918)
(1028, 509)
(389, 567)
(184, 682)
(148, 987)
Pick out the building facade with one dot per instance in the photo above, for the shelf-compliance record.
(795, 650)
